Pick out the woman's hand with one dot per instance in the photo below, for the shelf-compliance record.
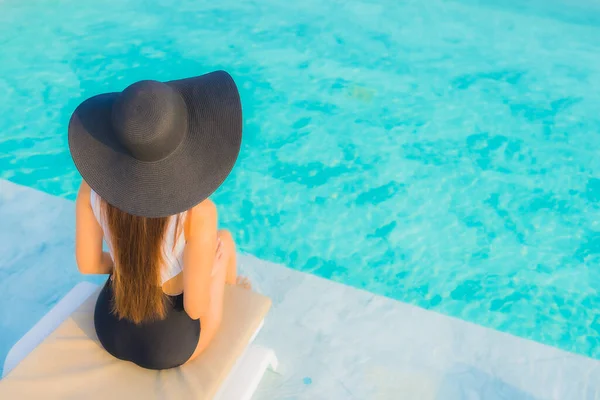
(218, 255)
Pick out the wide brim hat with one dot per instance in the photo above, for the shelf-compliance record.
(158, 148)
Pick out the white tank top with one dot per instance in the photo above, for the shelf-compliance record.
(173, 252)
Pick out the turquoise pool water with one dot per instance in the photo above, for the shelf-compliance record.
(443, 153)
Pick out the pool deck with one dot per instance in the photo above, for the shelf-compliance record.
(332, 341)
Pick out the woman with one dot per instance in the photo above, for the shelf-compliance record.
(150, 157)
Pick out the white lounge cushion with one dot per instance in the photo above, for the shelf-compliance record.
(71, 364)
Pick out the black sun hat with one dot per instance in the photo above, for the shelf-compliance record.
(157, 149)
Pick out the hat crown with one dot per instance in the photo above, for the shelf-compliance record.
(150, 120)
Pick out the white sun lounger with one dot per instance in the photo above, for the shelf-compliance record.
(61, 357)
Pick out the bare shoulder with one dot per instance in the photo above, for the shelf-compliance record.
(84, 187)
(204, 216)
(83, 194)
(207, 208)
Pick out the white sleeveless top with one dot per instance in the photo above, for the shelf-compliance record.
(173, 252)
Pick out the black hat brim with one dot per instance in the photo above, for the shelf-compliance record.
(183, 179)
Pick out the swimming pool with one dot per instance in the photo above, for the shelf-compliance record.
(442, 153)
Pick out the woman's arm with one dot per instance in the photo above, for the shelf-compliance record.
(199, 259)
(88, 237)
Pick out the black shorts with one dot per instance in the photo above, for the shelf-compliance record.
(161, 344)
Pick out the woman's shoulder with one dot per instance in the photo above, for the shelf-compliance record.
(83, 195)
(206, 207)
(203, 215)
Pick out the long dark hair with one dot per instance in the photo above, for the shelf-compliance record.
(137, 244)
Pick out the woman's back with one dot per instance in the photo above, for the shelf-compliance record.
(173, 244)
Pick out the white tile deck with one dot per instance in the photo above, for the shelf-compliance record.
(333, 341)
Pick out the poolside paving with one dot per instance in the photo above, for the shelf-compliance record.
(332, 341)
